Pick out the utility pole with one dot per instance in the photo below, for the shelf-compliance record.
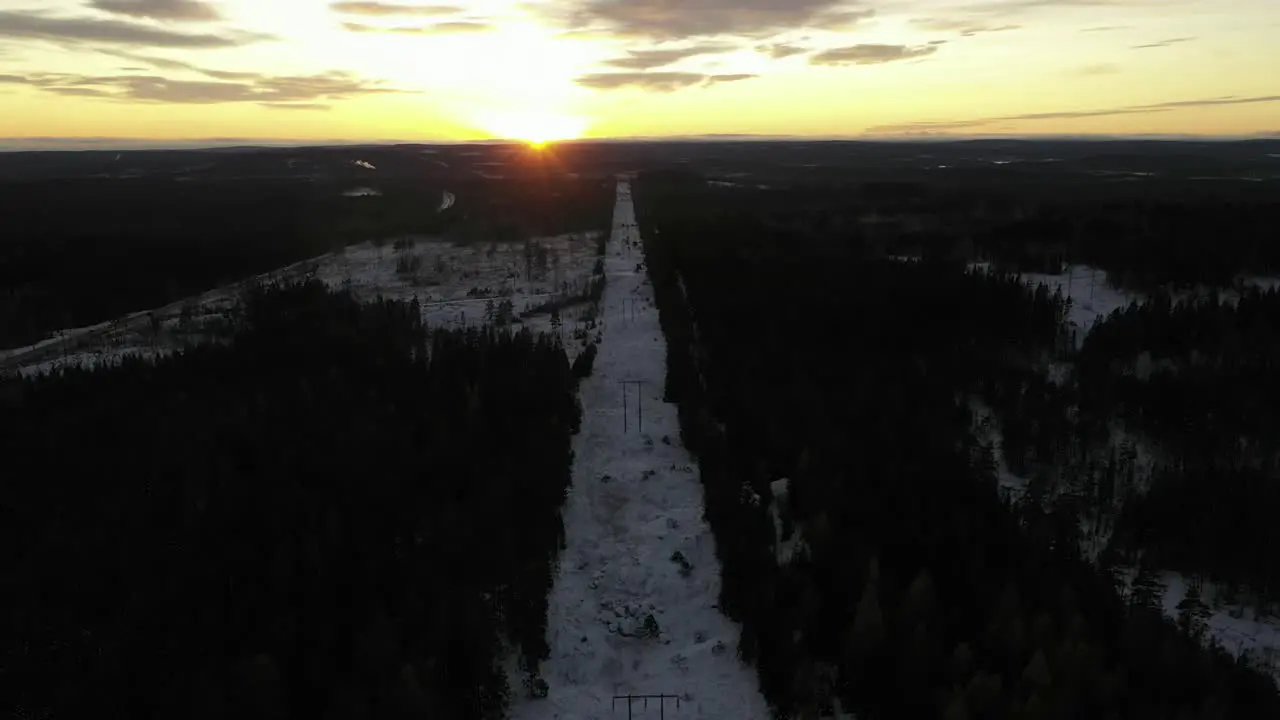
(639, 402)
(662, 702)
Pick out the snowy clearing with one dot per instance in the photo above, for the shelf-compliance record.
(633, 609)
(986, 429)
(455, 283)
(1091, 297)
(1236, 626)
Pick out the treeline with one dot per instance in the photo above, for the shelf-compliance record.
(1197, 380)
(78, 252)
(915, 591)
(1145, 244)
(337, 514)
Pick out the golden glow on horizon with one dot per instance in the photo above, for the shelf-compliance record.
(517, 77)
(535, 128)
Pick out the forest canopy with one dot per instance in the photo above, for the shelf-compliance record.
(336, 514)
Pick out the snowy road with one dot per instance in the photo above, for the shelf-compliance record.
(635, 503)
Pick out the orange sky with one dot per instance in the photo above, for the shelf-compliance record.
(303, 69)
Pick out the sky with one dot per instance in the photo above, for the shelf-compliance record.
(85, 71)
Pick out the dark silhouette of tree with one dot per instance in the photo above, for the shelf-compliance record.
(338, 513)
(795, 353)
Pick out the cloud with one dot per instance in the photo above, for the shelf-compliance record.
(924, 127)
(181, 10)
(443, 28)
(78, 91)
(650, 59)
(966, 28)
(870, 54)
(380, 9)
(1107, 28)
(933, 126)
(659, 81)
(669, 20)
(39, 26)
(460, 26)
(263, 89)
(1006, 7)
(655, 81)
(162, 63)
(295, 106)
(1163, 43)
(778, 51)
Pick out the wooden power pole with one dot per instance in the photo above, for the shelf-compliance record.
(639, 402)
(661, 699)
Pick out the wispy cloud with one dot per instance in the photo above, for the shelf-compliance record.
(650, 59)
(1005, 7)
(173, 10)
(295, 106)
(944, 125)
(262, 89)
(441, 28)
(381, 9)
(1163, 43)
(162, 63)
(668, 20)
(655, 81)
(778, 51)
(1107, 28)
(965, 27)
(41, 26)
(870, 54)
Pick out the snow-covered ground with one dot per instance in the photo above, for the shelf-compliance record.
(1091, 297)
(453, 282)
(633, 513)
(986, 429)
(1237, 626)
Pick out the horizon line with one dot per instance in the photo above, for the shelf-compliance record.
(120, 144)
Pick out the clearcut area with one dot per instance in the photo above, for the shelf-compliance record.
(634, 606)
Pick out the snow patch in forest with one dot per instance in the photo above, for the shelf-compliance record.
(1092, 298)
(1133, 447)
(633, 608)
(986, 430)
(57, 338)
(787, 548)
(1237, 626)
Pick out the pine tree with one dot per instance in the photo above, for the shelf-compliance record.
(1192, 612)
(961, 665)
(1148, 589)
(867, 633)
(920, 602)
(1036, 674)
(956, 708)
(1006, 632)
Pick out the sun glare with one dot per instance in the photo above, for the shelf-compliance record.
(535, 128)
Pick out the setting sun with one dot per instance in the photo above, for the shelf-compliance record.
(535, 128)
